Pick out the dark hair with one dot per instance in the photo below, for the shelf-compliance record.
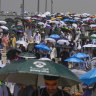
(46, 77)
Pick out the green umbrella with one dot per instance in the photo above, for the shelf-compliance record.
(93, 36)
(32, 71)
(27, 55)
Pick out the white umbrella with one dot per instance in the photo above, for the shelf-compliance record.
(4, 27)
(43, 15)
(77, 72)
(28, 18)
(93, 25)
(89, 45)
(47, 13)
(3, 22)
(50, 40)
(41, 23)
(22, 42)
(56, 22)
(45, 59)
(62, 41)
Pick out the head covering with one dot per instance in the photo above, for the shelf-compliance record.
(46, 77)
(5, 31)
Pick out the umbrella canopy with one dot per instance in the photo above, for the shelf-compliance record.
(22, 42)
(80, 55)
(9, 20)
(30, 71)
(62, 41)
(89, 45)
(48, 26)
(74, 60)
(93, 36)
(27, 55)
(64, 29)
(89, 77)
(3, 22)
(45, 59)
(20, 31)
(11, 53)
(43, 47)
(4, 27)
(1, 47)
(41, 23)
(54, 36)
(78, 72)
(50, 40)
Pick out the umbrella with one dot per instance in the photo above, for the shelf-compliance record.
(68, 20)
(41, 23)
(48, 26)
(3, 22)
(78, 72)
(54, 36)
(89, 45)
(20, 31)
(64, 29)
(80, 55)
(32, 71)
(22, 42)
(93, 36)
(9, 20)
(50, 40)
(1, 47)
(62, 41)
(43, 47)
(11, 53)
(74, 60)
(89, 77)
(4, 27)
(27, 55)
(45, 59)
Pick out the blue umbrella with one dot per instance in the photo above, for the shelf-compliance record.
(65, 20)
(89, 77)
(48, 26)
(74, 60)
(20, 31)
(54, 36)
(80, 55)
(70, 20)
(1, 47)
(43, 47)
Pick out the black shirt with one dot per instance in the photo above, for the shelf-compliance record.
(43, 92)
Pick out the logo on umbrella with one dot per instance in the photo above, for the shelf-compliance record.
(39, 64)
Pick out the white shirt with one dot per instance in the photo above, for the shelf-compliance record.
(37, 38)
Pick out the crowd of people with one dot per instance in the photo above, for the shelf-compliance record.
(74, 32)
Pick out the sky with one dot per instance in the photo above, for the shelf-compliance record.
(74, 6)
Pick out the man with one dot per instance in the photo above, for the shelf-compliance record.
(12, 40)
(37, 37)
(64, 55)
(51, 89)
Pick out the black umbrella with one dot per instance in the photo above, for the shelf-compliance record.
(9, 20)
(65, 29)
(11, 53)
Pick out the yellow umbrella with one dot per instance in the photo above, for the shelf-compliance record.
(52, 19)
(59, 17)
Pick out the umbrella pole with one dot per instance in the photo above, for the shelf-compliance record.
(38, 88)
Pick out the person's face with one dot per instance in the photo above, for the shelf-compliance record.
(51, 86)
(12, 35)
